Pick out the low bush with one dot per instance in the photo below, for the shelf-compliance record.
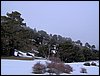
(58, 68)
(68, 69)
(52, 68)
(93, 64)
(87, 64)
(39, 68)
(83, 70)
(55, 66)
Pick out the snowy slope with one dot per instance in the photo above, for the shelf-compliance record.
(24, 67)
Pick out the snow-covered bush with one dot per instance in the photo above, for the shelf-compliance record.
(87, 64)
(39, 68)
(93, 64)
(83, 70)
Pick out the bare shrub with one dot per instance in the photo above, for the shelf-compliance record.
(93, 64)
(68, 69)
(87, 64)
(55, 59)
(83, 70)
(38, 68)
(51, 67)
(58, 68)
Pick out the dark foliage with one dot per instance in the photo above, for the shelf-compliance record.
(93, 64)
(87, 64)
(17, 35)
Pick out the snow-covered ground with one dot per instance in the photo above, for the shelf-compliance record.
(24, 67)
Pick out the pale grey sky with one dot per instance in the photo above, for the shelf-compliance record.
(78, 20)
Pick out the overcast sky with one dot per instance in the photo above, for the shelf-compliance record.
(78, 20)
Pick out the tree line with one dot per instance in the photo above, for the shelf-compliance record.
(17, 35)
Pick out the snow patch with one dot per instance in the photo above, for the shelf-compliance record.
(24, 67)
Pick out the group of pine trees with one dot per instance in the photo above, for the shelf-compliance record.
(16, 35)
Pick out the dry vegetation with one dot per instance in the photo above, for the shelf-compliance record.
(56, 66)
(17, 58)
(38, 68)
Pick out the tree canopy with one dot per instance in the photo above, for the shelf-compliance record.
(16, 35)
